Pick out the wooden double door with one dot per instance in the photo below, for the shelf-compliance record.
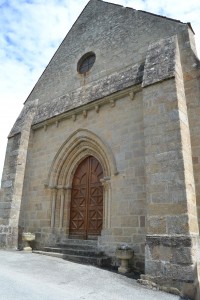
(86, 211)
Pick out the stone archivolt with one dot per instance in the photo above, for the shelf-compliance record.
(78, 146)
(81, 144)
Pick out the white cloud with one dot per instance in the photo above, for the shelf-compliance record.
(180, 10)
(31, 31)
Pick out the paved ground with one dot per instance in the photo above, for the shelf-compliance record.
(29, 276)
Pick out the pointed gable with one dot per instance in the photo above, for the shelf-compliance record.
(119, 37)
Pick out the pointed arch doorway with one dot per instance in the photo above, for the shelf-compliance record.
(86, 209)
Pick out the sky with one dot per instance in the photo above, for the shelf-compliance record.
(32, 30)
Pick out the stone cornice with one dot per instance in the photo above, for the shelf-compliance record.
(89, 106)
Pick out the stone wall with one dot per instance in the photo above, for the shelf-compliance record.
(134, 105)
(119, 37)
(13, 181)
(120, 127)
(170, 186)
(120, 45)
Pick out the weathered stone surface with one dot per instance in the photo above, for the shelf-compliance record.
(91, 92)
(170, 290)
(148, 284)
(160, 61)
(172, 258)
(170, 241)
(156, 225)
(3, 240)
(7, 184)
(177, 224)
(30, 106)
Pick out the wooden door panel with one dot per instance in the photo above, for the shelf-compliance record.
(79, 197)
(78, 207)
(95, 222)
(96, 196)
(96, 172)
(95, 210)
(77, 220)
(86, 214)
(78, 181)
(78, 223)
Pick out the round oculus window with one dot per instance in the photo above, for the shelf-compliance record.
(86, 62)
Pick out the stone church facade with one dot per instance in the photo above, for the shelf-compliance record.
(107, 145)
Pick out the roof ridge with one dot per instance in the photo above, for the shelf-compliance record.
(150, 13)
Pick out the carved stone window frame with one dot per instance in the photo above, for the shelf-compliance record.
(86, 62)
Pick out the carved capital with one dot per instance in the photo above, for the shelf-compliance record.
(68, 188)
(54, 191)
(105, 182)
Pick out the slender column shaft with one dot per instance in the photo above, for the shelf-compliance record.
(53, 207)
(107, 196)
(62, 202)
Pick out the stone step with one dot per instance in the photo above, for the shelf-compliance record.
(102, 261)
(81, 237)
(77, 246)
(80, 251)
(78, 242)
(54, 254)
(74, 251)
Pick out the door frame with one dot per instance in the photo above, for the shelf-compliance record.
(79, 145)
(87, 233)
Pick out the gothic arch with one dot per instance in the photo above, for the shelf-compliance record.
(78, 146)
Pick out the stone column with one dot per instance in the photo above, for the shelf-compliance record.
(106, 203)
(106, 233)
(53, 207)
(62, 204)
(172, 227)
(67, 208)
